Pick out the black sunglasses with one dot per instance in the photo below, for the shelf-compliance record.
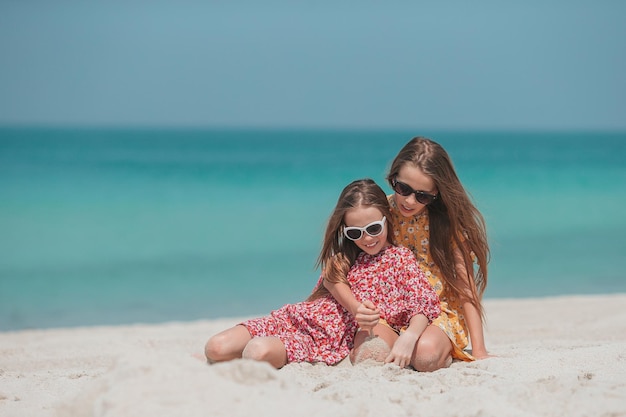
(405, 190)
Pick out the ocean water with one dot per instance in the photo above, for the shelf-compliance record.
(106, 226)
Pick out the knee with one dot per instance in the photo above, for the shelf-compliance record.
(257, 350)
(266, 349)
(430, 356)
(216, 349)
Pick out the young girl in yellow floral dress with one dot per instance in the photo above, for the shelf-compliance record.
(435, 218)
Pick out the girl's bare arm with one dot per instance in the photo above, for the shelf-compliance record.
(472, 315)
(365, 312)
(402, 350)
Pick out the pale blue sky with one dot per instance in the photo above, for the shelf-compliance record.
(366, 64)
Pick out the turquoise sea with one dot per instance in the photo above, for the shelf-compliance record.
(113, 226)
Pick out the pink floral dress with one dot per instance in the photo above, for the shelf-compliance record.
(323, 331)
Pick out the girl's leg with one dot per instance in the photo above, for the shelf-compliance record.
(376, 348)
(227, 345)
(434, 350)
(269, 349)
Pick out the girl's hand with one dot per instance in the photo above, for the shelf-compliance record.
(402, 350)
(367, 315)
(481, 354)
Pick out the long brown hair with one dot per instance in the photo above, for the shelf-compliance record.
(338, 253)
(454, 220)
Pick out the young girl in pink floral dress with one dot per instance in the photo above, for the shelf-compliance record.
(357, 253)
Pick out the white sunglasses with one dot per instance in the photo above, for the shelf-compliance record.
(372, 229)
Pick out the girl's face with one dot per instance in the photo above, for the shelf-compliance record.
(418, 181)
(363, 217)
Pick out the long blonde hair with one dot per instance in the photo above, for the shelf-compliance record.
(338, 253)
(454, 220)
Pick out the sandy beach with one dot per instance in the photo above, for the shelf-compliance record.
(559, 356)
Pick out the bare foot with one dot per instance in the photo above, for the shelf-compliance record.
(201, 357)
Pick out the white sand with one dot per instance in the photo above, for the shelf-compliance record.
(563, 356)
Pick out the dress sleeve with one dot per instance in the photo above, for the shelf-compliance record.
(419, 296)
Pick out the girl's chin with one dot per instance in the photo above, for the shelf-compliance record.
(408, 213)
(372, 250)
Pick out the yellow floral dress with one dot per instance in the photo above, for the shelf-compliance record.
(413, 233)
